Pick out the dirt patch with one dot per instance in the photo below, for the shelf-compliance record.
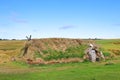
(41, 61)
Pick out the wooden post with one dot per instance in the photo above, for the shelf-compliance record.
(28, 38)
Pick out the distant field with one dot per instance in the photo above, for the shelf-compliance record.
(10, 45)
(110, 46)
(9, 48)
(108, 70)
(109, 43)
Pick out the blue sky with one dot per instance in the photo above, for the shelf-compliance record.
(59, 18)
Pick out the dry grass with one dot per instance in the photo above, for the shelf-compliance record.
(9, 49)
(50, 45)
(12, 48)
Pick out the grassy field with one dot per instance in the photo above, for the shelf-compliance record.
(109, 43)
(107, 70)
(70, 71)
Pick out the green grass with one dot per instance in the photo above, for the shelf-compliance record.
(70, 71)
(108, 70)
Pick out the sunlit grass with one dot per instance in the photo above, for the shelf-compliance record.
(71, 71)
(106, 70)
